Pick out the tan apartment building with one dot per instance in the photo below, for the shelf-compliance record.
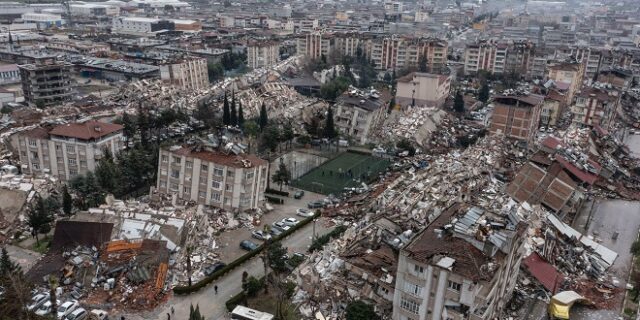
(498, 57)
(67, 150)
(596, 106)
(516, 116)
(262, 54)
(458, 268)
(314, 44)
(425, 89)
(569, 75)
(213, 177)
(187, 73)
(356, 114)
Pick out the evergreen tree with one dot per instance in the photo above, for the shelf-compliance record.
(39, 219)
(422, 64)
(67, 202)
(233, 117)
(270, 138)
(194, 314)
(107, 173)
(282, 175)
(205, 113)
(483, 94)
(264, 120)
(251, 131)
(129, 129)
(458, 102)
(226, 117)
(143, 126)
(329, 128)
(359, 310)
(392, 104)
(240, 115)
(6, 265)
(287, 133)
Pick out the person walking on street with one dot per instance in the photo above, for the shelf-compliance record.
(215, 288)
(168, 316)
(172, 310)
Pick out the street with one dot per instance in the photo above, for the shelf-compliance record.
(212, 305)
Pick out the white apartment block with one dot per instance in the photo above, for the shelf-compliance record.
(356, 114)
(262, 54)
(212, 177)
(67, 150)
(94, 9)
(425, 89)
(190, 73)
(450, 272)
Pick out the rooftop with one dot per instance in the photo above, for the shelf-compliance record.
(87, 130)
(218, 157)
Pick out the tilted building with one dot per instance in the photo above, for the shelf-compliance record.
(423, 89)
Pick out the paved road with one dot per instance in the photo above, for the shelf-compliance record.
(212, 304)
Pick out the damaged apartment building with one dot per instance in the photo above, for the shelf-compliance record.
(223, 177)
(357, 113)
(464, 265)
(66, 150)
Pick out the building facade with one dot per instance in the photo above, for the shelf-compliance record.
(262, 54)
(46, 83)
(595, 106)
(356, 114)
(457, 270)
(516, 116)
(511, 58)
(68, 150)
(423, 89)
(213, 177)
(188, 73)
(569, 73)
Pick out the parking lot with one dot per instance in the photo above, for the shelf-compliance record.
(229, 241)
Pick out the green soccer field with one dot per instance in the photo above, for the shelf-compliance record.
(343, 171)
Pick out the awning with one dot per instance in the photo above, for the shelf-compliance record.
(562, 302)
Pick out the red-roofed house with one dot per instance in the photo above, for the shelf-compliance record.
(66, 150)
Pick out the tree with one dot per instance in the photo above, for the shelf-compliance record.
(253, 286)
(88, 189)
(387, 77)
(251, 130)
(483, 94)
(392, 105)
(264, 120)
(635, 248)
(270, 138)
(406, 145)
(282, 175)
(458, 102)
(422, 64)
(276, 255)
(17, 292)
(240, 115)
(359, 310)
(233, 117)
(329, 128)
(143, 125)
(39, 219)
(215, 71)
(226, 117)
(194, 314)
(334, 88)
(287, 133)
(6, 265)
(67, 202)
(108, 173)
(129, 129)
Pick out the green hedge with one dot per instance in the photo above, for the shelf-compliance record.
(207, 280)
(277, 192)
(319, 242)
(275, 200)
(235, 301)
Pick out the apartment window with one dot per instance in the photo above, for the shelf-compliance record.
(215, 197)
(71, 149)
(164, 159)
(204, 167)
(418, 269)
(35, 166)
(409, 305)
(218, 172)
(249, 175)
(173, 187)
(163, 184)
(83, 163)
(202, 194)
(454, 285)
(230, 173)
(412, 288)
(72, 162)
(175, 173)
(58, 147)
(215, 185)
(32, 143)
(186, 190)
(228, 187)
(188, 164)
(73, 172)
(34, 155)
(177, 160)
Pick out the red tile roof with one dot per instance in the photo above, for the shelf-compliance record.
(544, 272)
(552, 142)
(583, 175)
(87, 130)
(231, 160)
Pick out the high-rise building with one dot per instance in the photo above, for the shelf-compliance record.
(46, 83)
(187, 73)
(262, 54)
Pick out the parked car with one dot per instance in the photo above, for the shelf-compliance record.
(37, 301)
(261, 235)
(45, 308)
(98, 314)
(248, 245)
(305, 212)
(66, 308)
(298, 195)
(290, 221)
(78, 314)
(280, 226)
(275, 232)
(315, 204)
(211, 269)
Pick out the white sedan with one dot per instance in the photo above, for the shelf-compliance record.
(306, 213)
